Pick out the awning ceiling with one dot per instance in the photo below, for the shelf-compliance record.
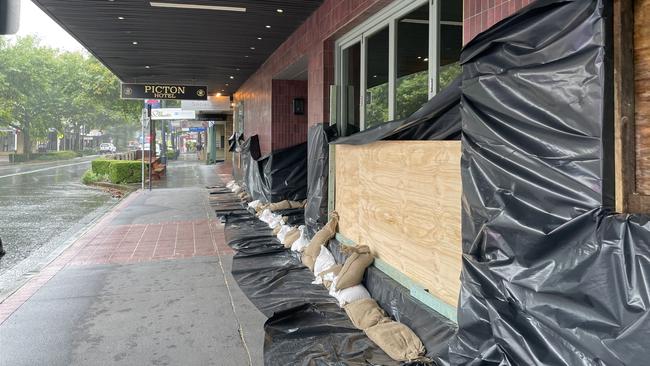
(142, 43)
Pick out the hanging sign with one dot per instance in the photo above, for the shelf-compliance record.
(158, 91)
(172, 113)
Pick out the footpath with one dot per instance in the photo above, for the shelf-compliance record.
(149, 284)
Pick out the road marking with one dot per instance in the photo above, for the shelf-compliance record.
(42, 170)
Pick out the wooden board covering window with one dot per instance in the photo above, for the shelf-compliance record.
(403, 199)
(642, 93)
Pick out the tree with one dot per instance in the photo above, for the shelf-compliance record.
(43, 88)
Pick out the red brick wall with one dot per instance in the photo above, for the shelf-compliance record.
(480, 15)
(314, 39)
(287, 128)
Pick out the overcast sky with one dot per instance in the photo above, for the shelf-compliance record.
(34, 21)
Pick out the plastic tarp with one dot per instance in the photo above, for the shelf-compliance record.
(281, 175)
(550, 276)
(438, 119)
(318, 140)
(305, 325)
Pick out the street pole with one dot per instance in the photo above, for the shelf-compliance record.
(142, 123)
(151, 143)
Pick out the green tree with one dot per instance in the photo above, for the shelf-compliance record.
(43, 88)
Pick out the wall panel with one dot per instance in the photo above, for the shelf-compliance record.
(403, 199)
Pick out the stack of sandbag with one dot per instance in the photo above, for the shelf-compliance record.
(344, 283)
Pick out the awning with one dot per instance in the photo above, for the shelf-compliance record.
(214, 43)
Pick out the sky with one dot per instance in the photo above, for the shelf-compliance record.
(34, 21)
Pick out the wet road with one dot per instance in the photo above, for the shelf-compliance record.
(41, 207)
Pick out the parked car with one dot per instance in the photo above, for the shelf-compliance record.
(107, 148)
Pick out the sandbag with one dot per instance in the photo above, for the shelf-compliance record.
(349, 295)
(302, 242)
(328, 276)
(291, 237)
(284, 229)
(397, 340)
(324, 261)
(276, 230)
(366, 313)
(355, 266)
(321, 238)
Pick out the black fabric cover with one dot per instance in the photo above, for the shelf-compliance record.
(305, 325)
(549, 276)
(281, 175)
(438, 119)
(318, 140)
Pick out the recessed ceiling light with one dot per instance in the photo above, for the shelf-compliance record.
(120, 18)
(134, 42)
(252, 48)
(268, 26)
(227, 84)
(231, 77)
(196, 7)
(280, 11)
(259, 38)
(246, 56)
(223, 90)
(238, 69)
(147, 66)
(426, 59)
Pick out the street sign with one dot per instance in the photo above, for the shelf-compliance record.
(158, 91)
(197, 129)
(212, 104)
(171, 113)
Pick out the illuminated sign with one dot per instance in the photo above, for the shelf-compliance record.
(157, 91)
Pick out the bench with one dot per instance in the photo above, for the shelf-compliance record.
(158, 169)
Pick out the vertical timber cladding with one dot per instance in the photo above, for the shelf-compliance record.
(403, 199)
(642, 93)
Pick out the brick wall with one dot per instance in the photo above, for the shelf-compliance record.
(479, 15)
(287, 128)
(315, 40)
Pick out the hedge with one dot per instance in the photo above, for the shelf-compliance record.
(56, 155)
(125, 171)
(100, 166)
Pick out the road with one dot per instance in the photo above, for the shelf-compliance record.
(43, 206)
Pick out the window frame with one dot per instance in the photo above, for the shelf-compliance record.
(387, 17)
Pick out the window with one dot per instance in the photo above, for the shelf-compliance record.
(399, 58)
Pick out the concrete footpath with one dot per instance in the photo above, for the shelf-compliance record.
(149, 284)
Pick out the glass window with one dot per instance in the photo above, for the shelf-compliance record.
(377, 79)
(390, 65)
(451, 42)
(412, 62)
(352, 88)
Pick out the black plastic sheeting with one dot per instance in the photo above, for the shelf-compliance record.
(305, 325)
(281, 175)
(549, 277)
(318, 140)
(438, 119)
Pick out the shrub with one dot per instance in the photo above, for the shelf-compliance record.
(17, 158)
(124, 171)
(57, 155)
(100, 166)
(90, 177)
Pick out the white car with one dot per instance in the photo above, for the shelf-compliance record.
(107, 148)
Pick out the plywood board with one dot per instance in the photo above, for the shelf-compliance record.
(403, 199)
(642, 93)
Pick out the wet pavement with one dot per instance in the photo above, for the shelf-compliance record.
(43, 206)
(148, 284)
